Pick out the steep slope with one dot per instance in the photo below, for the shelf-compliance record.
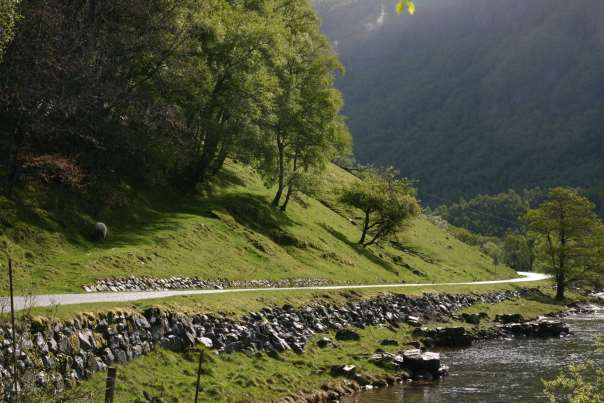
(475, 96)
(231, 233)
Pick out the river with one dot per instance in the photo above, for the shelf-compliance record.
(501, 370)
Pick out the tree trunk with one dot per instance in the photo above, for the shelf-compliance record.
(205, 160)
(92, 30)
(290, 185)
(365, 228)
(218, 162)
(12, 177)
(560, 286)
(561, 276)
(288, 195)
(210, 148)
(281, 184)
(14, 164)
(377, 236)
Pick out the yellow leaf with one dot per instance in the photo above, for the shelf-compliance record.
(400, 6)
(411, 7)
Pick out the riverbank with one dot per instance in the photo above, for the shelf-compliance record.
(508, 370)
(273, 353)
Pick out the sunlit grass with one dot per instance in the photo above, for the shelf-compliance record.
(231, 232)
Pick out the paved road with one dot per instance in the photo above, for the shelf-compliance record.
(70, 299)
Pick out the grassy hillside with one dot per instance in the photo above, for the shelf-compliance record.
(231, 232)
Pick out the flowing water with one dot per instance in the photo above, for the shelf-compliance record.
(502, 370)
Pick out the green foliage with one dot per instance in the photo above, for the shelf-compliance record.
(228, 92)
(402, 4)
(386, 201)
(518, 251)
(465, 235)
(165, 96)
(494, 251)
(77, 87)
(8, 19)
(579, 383)
(308, 130)
(492, 215)
(515, 250)
(568, 236)
(498, 220)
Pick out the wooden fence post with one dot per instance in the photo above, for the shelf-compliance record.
(110, 385)
(198, 377)
(13, 332)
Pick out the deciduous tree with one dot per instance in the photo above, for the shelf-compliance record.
(309, 130)
(8, 18)
(567, 231)
(518, 251)
(387, 203)
(228, 93)
(159, 90)
(76, 83)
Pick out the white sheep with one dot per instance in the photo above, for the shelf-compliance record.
(100, 231)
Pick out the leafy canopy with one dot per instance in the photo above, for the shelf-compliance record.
(568, 234)
(386, 201)
(167, 94)
(308, 130)
(408, 4)
(492, 215)
(579, 383)
(8, 18)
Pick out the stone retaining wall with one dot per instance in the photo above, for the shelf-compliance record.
(56, 355)
(183, 283)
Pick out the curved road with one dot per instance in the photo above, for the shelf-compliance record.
(70, 299)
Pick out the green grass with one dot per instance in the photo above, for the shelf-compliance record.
(231, 232)
(238, 377)
(535, 304)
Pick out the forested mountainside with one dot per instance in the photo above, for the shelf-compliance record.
(475, 96)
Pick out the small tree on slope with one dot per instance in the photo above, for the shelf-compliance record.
(386, 201)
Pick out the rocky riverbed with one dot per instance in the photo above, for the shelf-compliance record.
(55, 355)
(510, 369)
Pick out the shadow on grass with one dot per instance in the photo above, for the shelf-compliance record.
(363, 251)
(249, 210)
(538, 295)
(226, 178)
(149, 211)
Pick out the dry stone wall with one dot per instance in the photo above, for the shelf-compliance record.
(120, 284)
(55, 355)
